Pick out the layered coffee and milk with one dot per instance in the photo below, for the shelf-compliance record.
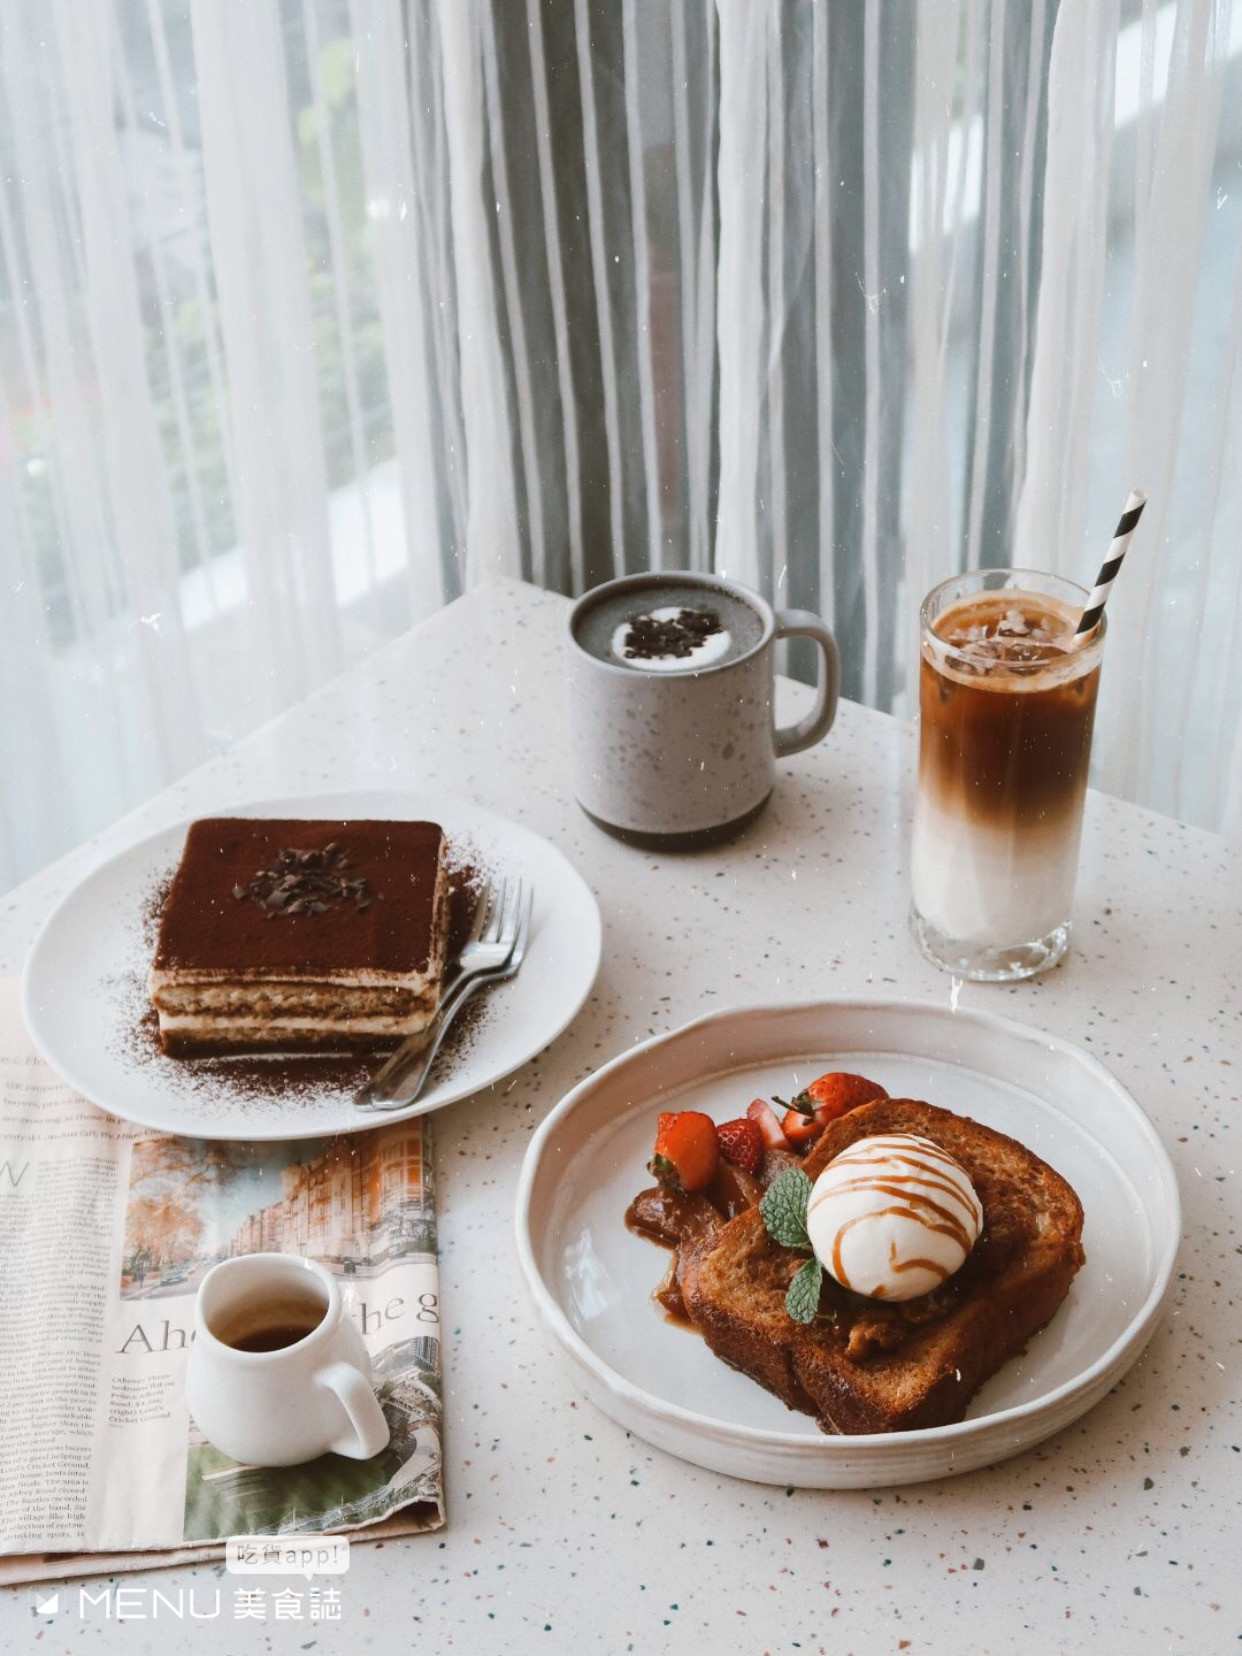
(1006, 707)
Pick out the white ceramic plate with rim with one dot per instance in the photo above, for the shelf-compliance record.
(83, 984)
(592, 1279)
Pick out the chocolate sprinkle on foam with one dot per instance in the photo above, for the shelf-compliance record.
(649, 639)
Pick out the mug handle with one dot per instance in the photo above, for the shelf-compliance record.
(818, 722)
(370, 1430)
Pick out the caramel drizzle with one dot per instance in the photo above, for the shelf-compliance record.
(907, 1151)
(905, 1185)
(911, 1204)
(952, 1228)
(901, 1147)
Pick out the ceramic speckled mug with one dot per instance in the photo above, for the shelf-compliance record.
(672, 756)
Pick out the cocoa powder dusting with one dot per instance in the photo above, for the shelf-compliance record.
(152, 909)
(358, 893)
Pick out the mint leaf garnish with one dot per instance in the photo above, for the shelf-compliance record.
(802, 1299)
(784, 1208)
(784, 1213)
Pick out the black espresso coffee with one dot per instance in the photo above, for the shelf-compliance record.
(669, 628)
(270, 1324)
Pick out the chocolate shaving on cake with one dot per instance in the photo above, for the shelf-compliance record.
(305, 882)
(649, 639)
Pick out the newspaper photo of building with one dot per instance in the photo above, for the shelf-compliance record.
(366, 1204)
(352, 1203)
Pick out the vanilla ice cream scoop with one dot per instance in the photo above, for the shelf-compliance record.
(893, 1217)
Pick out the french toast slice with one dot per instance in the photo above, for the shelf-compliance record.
(876, 1366)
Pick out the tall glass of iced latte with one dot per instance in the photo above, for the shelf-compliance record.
(1006, 707)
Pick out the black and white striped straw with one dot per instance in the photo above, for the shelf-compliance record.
(1108, 569)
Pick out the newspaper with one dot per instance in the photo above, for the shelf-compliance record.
(105, 1233)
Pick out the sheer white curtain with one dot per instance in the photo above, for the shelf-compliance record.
(1135, 380)
(217, 484)
(312, 311)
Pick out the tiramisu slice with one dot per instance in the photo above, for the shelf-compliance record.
(290, 936)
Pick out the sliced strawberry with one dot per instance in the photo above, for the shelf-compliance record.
(768, 1123)
(687, 1151)
(801, 1129)
(741, 1143)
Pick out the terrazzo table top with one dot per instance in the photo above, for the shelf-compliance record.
(564, 1534)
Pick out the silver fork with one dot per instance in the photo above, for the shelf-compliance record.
(500, 921)
(416, 1077)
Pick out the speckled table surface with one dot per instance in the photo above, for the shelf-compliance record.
(564, 1534)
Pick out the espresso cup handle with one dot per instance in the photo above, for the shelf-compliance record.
(818, 722)
(370, 1429)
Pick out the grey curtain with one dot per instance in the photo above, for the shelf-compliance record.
(609, 211)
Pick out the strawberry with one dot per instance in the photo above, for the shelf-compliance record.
(801, 1130)
(687, 1151)
(827, 1097)
(765, 1118)
(741, 1143)
(836, 1093)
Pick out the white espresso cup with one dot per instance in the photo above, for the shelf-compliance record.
(293, 1401)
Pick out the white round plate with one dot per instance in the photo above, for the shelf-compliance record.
(592, 1279)
(82, 986)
